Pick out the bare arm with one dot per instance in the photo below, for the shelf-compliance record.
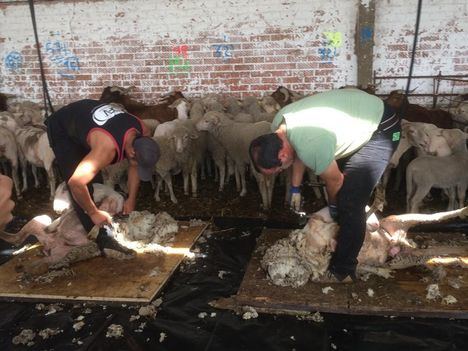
(333, 179)
(298, 169)
(101, 155)
(6, 204)
(133, 184)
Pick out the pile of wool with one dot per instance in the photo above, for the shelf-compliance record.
(145, 230)
(304, 254)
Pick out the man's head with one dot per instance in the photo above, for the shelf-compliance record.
(270, 153)
(146, 154)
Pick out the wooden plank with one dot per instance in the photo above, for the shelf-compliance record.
(104, 279)
(403, 295)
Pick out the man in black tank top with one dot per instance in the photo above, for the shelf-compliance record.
(87, 136)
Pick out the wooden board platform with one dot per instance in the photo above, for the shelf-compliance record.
(403, 295)
(104, 280)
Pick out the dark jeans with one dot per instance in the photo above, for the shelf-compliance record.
(68, 155)
(362, 171)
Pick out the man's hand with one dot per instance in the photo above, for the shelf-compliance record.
(129, 206)
(101, 218)
(296, 198)
(6, 204)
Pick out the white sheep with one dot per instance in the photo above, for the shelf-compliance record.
(8, 121)
(236, 139)
(34, 146)
(9, 151)
(27, 112)
(115, 174)
(426, 172)
(109, 200)
(175, 155)
(233, 105)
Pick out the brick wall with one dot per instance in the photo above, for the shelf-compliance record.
(442, 44)
(238, 47)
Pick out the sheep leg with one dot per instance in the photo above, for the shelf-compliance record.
(33, 227)
(403, 222)
(241, 171)
(51, 177)
(158, 188)
(194, 179)
(418, 196)
(24, 170)
(222, 175)
(270, 181)
(168, 181)
(238, 181)
(231, 170)
(461, 193)
(261, 182)
(451, 196)
(36, 176)
(185, 175)
(14, 175)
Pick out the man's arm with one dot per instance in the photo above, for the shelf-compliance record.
(6, 204)
(298, 169)
(133, 183)
(101, 155)
(333, 179)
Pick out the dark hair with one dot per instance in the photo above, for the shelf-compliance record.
(264, 151)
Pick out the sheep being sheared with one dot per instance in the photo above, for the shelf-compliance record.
(64, 241)
(305, 253)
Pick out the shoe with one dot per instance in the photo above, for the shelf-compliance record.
(334, 278)
(106, 243)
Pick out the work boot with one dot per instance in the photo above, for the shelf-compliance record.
(107, 243)
(336, 278)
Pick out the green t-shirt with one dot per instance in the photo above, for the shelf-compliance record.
(330, 125)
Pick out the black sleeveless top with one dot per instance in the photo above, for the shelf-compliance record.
(80, 118)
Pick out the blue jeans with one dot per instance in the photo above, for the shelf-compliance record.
(362, 171)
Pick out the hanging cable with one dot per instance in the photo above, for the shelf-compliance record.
(45, 90)
(415, 42)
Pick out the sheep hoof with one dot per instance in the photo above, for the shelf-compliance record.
(174, 200)
(195, 195)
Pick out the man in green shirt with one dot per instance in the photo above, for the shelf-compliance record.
(349, 126)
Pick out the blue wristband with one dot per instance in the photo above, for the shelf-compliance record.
(333, 209)
(295, 190)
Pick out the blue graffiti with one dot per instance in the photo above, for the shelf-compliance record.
(61, 56)
(223, 50)
(366, 33)
(13, 60)
(327, 53)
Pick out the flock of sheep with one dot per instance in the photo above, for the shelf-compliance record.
(196, 134)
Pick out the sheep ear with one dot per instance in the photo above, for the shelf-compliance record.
(194, 135)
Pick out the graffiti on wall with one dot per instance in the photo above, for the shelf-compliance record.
(366, 34)
(62, 57)
(223, 50)
(13, 60)
(331, 46)
(178, 62)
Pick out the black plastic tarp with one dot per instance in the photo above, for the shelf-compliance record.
(187, 295)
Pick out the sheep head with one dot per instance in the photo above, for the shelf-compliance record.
(209, 121)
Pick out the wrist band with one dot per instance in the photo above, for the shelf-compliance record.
(295, 189)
